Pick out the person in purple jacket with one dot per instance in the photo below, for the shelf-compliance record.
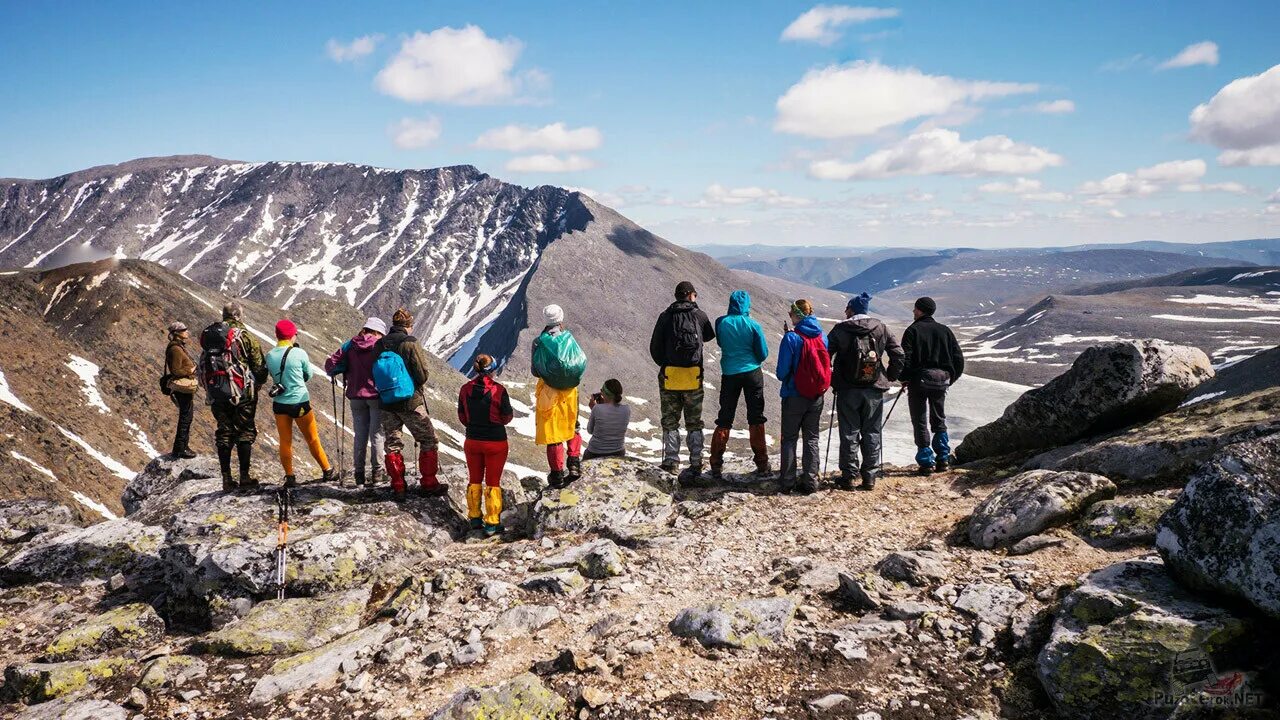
(354, 360)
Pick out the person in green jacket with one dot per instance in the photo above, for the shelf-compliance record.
(290, 368)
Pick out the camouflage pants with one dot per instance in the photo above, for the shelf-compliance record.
(676, 404)
(235, 422)
(416, 421)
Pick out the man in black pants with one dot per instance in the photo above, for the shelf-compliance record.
(932, 362)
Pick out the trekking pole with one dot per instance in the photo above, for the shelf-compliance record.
(826, 458)
(342, 434)
(284, 499)
(337, 434)
(896, 398)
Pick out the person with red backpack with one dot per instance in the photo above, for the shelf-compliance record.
(230, 370)
(399, 374)
(865, 358)
(804, 369)
(484, 409)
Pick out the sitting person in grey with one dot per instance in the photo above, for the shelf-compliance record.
(608, 423)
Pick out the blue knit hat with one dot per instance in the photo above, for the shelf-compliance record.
(860, 304)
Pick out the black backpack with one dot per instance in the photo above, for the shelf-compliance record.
(684, 346)
(861, 365)
(223, 369)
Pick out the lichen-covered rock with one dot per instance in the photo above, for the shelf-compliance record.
(74, 710)
(521, 620)
(1109, 386)
(1129, 636)
(917, 567)
(163, 474)
(21, 520)
(1223, 532)
(95, 552)
(172, 671)
(38, 682)
(320, 666)
(524, 697)
(135, 625)
(992, 604)
(564, 581)
(598, 559)
(220, 548)
(753, 623)
(292, 625)
(1030, 502)
(865, 591)
(1123, 522)
(621, 498)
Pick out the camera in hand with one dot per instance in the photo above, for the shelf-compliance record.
(276, 390)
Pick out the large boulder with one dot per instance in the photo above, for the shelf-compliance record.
(621, 498)
(38, 682)
(163, 474)
(21, 520)
(1130, 643)
(1223, 533)
(524, 697)
(219, 554)
(74, 710)
(753, 623)
(321, 666)
(96, 552)
(1028, 503)
(1124, 522)
(1108, 387)
(277, 627)
(134, 625)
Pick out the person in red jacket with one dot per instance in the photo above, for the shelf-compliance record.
(484, 408)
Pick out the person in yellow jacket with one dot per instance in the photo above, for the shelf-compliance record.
(558, 363)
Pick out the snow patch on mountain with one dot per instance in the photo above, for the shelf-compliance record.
(87, 371)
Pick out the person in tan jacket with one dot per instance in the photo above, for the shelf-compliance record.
(180, 379)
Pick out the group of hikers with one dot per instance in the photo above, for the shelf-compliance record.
(385, 372)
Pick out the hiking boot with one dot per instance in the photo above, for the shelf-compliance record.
(759, 449)
(244, 452)
(844, 482)
(491, 530)
(806, 486)
(691, 475)
(924, 470)
(574, 468)
(942, 466)
(555, 479)
(868, 483)
(476, 524)
(359, 478)
(719, 441)
(290, 481)
(331, 476)
(670, 466)
(395, 471)
(227, 483)
(249, 483)
(183, 453)
(437, 490)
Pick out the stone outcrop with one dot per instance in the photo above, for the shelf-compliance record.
(134, 625)
(21, 520)
(1123, 522)
(1030, 502)
(750, 623)
(1108, 387)
(99, 551)
(621, 498)
(524, 697)
(293, 625)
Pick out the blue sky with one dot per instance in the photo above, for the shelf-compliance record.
(988, 123)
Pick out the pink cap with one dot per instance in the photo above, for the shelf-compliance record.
(285, 329)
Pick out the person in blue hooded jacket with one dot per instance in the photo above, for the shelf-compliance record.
(743, 348)
(800, 414)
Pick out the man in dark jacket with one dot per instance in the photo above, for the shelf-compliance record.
(411, 414)
(236, 422)
(865, 358)
(932, 362)
(676, 346)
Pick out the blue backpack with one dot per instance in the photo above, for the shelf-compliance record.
(391, 378)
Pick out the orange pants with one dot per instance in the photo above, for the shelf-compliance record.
(307, 424)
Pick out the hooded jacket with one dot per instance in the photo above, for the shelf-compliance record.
(842, 343)
(484, 409)
(177, 363)
(355, 360)
(399, 341)
(292, 371)
(930, 345)
(662, 342)
(743, 346)
(789, 353)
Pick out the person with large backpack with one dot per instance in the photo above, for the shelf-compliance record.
(290, 368)
(400, 374)
(484, 409)
(676, 347)
(354, 361)
(557, 361)
(932, 362)
(230, 370)
(743, 348)
(865, 358)
(179, 383)
(804, 369)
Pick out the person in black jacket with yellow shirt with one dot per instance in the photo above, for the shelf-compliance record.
(484, 409)
(676, 347)
(932, 362)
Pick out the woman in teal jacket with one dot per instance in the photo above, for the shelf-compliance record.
(290, 368)
(743, 348)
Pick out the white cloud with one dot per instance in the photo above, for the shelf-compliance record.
(1055, 107)
(458, 66)
(941, 152)
(549, 138)
(1201, 53)
(823, 23)
(1275, 197)
(1016, 187)
(1146, 181)
(1226, 187)
(862, 98)
(354, 50)
(1243, 119)
(613, 200)
(415, 133)
(717, 195)
(549, 164)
